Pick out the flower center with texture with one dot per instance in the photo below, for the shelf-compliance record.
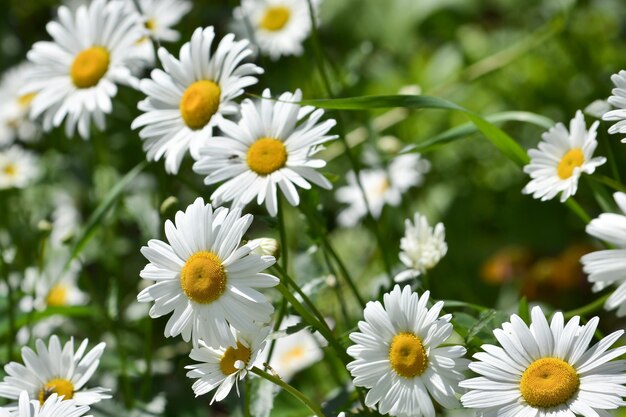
(266, 155)
(275, 18)
(232, 355)
(572, 159)
(57, 296)
(10, 170)
(549, 382)
(203, 278)
(407, 355)
(89, 66)
(60, 386)
(199, 103)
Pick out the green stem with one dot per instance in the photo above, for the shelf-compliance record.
(10, 310)
(577, 210)
(463, 304)
(279, 320)
(309, 318)
(317, 411)
(284, 251)
(589, 308)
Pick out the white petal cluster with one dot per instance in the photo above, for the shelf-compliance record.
(422, 246)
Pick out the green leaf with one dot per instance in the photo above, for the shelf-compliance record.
(498, 137)
(96, 217)
(522, 310)
(32, 318)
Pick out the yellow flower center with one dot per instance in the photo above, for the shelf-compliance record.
(25, 100)
(57, 296)
(150, 24)
(89, 66)
(199, 103)
(203, 278)
(275, 18)
(232, 355)
(407, 355)
(294, 354)
(266, 155)
(60, 386)
(549, 382)
(572, 159)
(10, 170)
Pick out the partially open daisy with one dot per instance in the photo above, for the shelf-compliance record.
(223, 367)
(205, 278)
(54, 406)
(187, 100)
(382, 186)
(279, 26)
(53, 369)
(271, 147)
(422, 247)
(18, 168)
(547, 370)
(75, 75)
(399, 356)
(608, 267)
(561, 158)
(618, 99)
(14, 106)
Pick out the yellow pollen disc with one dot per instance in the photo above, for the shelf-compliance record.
(57, 296)
(203, 278)
(549, 382)
(199, 103)
(572, 159)
(150, 24)
(25, 100)
(232, 355)
(60, 386)
(293, 355)
(407, 355)
(89, 66)
(266, 155)
(275, 18)
(10, 170)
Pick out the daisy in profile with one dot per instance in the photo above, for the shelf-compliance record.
(18, 168)
(294, 352)
(221, 368)
(607, 267)
(561, 158)
(618, 99)
(399, 357)
(381, 187)
(547, 370)
(188, 99)
(54, 406)
(279, 27)
(271, 148)
(422, 247)
(205, 278)
(75, 76)
(14, 107)
(55, 369)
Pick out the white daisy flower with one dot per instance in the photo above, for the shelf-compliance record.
(618, 99)
(399, 357)
(54, 406)
(422, 247)
(206, 278)
(223, 367)
(271, 147)
(52, 369)
(547, 370)
(561, 158)
(160, 15)
(279, 27)
(294, 352)
(18, 168)
(608, 267)
(187, 100)
(14, 107)
(381, 187)
(75, 76)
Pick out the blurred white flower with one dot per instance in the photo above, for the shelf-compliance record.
(421, 247)
(18, 167)
(618, 99)
(381, 187)
(14, 106)
(562, 156)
